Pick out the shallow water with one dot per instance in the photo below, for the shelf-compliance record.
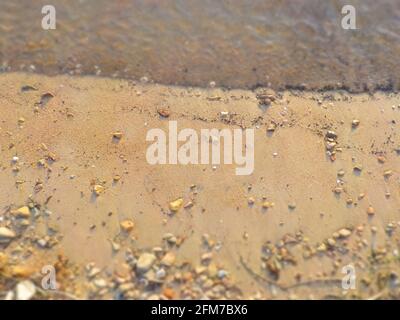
(288, 43)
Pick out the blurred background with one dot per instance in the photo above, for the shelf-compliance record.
(236, 43)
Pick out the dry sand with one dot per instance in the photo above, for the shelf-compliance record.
(65, 147)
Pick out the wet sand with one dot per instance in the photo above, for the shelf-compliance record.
(286, 231)
(239, 44)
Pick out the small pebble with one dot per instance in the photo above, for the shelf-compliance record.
(25, 290)
(145, 262)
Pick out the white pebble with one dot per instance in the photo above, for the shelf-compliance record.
(25, 290)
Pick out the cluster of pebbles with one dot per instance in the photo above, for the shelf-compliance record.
(331, 144)
(145, 274)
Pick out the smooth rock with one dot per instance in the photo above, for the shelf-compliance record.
(344, 233)
(6, 235)
(22, 212)
(25, 290)
(175, 205)
(169, 259)
(145, 262)
(127, 225)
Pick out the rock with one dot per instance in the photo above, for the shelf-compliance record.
(158, 250)
(3, 260)
(188, 205)
(25, 290)
(266, 97)
(330, 145)
(214, 98)
(127, 225)
(322, 247)
(171, 239)
(168, 259)
(338, 190)
(100, 283)
(224, 114)
(206, 257)
(344, 233)
(24, 223)
(212, 270)
(360, 229)
(6, 235)
(355, 123)
(169, 293)
(45, 98)
(222, 274)
(381, 159)
(41, 163)
(164, 112)
(124, 287)
(331, 134)
(93, 272)
(271, 127)
(42, 243)
(208, 284)
(98, 189)
(370, 211)
(331, 242)
(175, 205)
(115, 246)
(21, 271)
(28, 88)
(268, 204)
(145, 261)
(389, 228)
(200, 269)
(161, 274)
(22, 212)
(51, 156)
(207, 240)
(387, 173)
(117, 135)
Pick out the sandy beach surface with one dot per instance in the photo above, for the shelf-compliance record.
(78, 194)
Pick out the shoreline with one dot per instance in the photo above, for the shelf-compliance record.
(296, 90)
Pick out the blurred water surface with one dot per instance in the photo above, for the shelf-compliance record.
(236, 43)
